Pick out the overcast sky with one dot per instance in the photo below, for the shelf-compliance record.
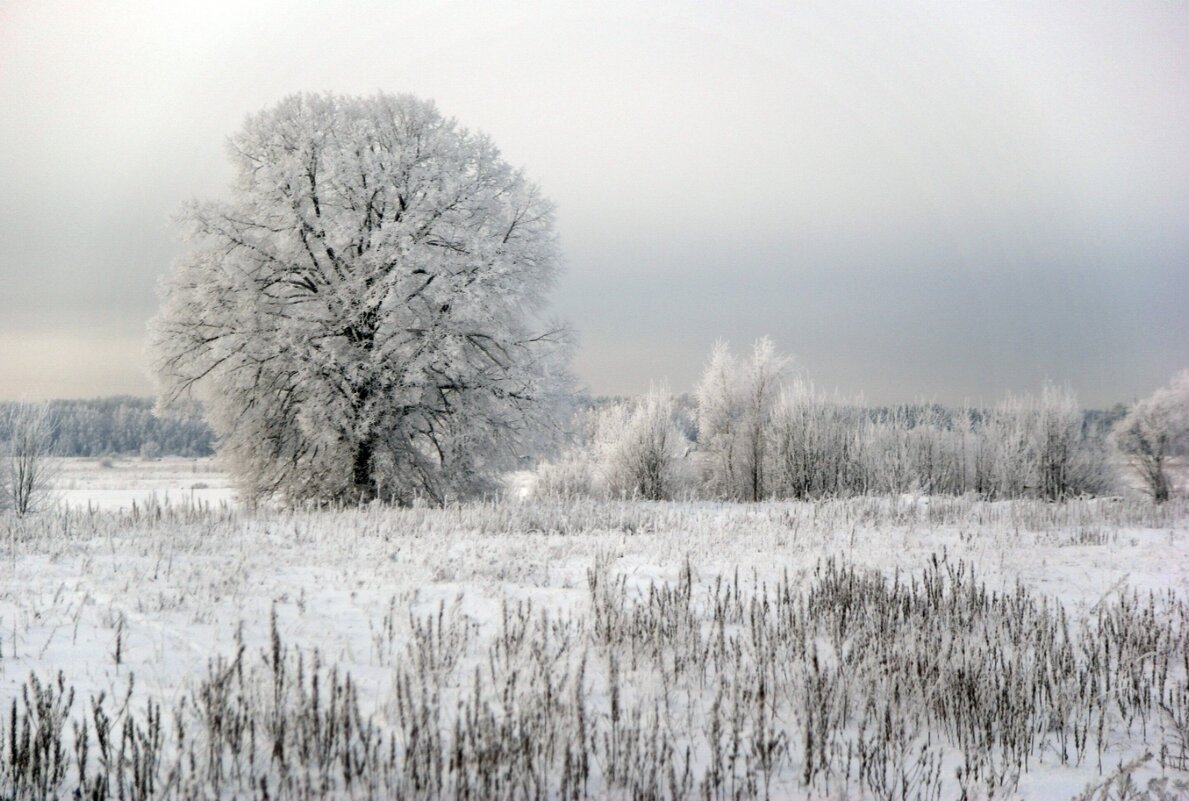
(940, 201)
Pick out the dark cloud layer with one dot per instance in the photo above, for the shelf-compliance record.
(917, 201)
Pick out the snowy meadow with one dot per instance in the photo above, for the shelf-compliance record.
(734, 401)
(889, 647)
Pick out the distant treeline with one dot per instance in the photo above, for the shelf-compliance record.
(685, 413)
(752, 432)
(121, 426)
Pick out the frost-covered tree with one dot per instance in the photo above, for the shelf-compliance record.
(719, 421)
(1154, 430)
(26, 471)
(762, 376)
(1058, 440)
(1005, 459)
(624, 449)
(735, 402)
(642, 448)
(1041, 446)
(817, 443)
(363, 317)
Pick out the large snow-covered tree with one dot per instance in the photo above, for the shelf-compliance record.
(363, 317)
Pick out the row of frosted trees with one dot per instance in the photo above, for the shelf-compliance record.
(758, 434)
(120, 425)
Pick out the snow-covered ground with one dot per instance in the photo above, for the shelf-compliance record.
(115, 596)
(116, 483)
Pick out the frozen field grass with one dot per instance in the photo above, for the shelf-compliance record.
(882, 648)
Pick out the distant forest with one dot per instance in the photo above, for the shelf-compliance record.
(121, 426)
(127, 426)
(685, 412)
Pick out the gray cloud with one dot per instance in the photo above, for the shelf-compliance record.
(918, 201)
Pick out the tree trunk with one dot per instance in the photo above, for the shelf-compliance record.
(1159, 481)
(362, 476)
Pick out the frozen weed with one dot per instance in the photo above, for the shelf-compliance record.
(847, 683)
(670, 674)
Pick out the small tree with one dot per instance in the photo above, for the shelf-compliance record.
(817, 442)
(1058, 435)
(26, 475)
(719, 421)
(1041, 447)
(735, 403)
(1156, 429)
(1005, 459)
(642, 448)
(762, 377)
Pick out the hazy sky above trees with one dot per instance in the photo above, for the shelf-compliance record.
(939, 201)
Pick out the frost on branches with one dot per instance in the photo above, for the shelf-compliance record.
(1155, 431)
(735, 403)
(363, 317)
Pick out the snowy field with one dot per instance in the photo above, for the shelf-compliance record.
(871, 648)
(115, 483)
